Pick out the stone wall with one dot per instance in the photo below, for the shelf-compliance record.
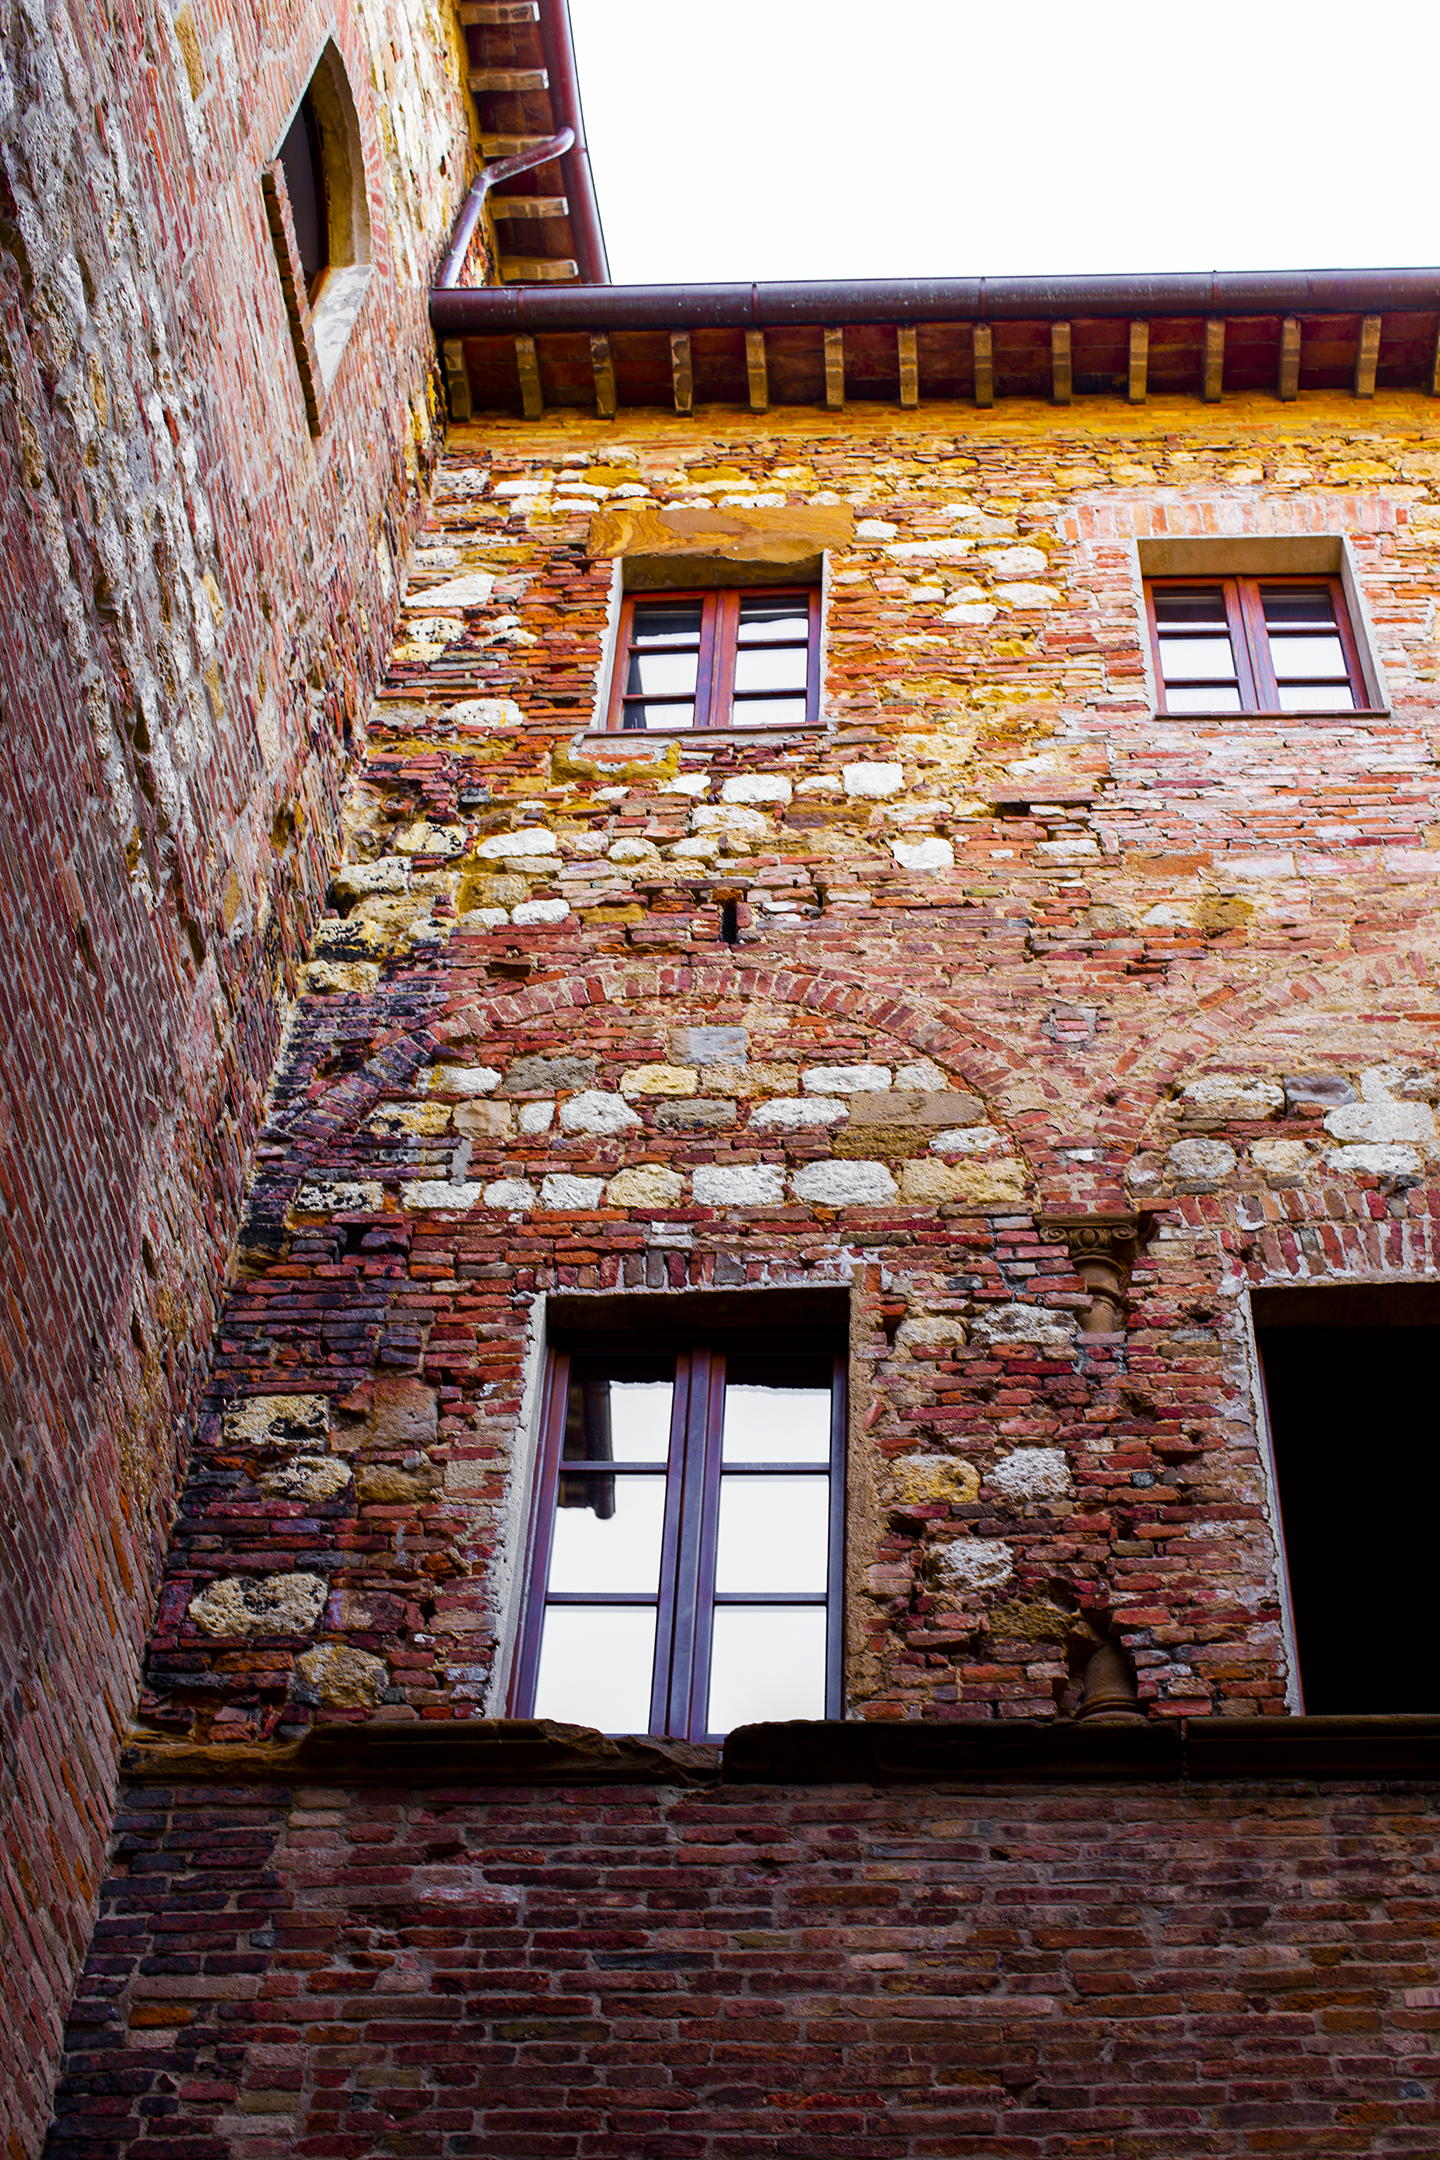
(199, 601)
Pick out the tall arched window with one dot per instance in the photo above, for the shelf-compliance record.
(323, 246)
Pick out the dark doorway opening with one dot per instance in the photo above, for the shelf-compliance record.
(1356, 1432)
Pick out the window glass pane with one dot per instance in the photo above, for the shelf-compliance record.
(1206, 697)
(764, 619)
(774, 1533)
(1197, 659)
(1190, 604)
(766, 1662)
(1297, 604)
(767, 1424)
(643, 716)
(1316, 697)
(607, 1533)
(596, 1665)
(783, 667)
(662, 674)
(1308, 658)
(768, 711)
(618, 1421)
(665, 625)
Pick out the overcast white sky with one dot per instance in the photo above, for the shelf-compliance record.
(954, 138)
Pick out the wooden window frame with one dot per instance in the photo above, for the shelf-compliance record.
(686, 1596)
(715, 672)
(1250, 644)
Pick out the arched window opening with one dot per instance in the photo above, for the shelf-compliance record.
(303, 156)
(322, 249)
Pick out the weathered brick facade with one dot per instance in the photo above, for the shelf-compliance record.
(200, 601)
(1147, 963)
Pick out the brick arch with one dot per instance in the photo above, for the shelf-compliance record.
(981, 1060)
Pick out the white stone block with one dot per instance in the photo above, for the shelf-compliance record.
(748, 1185)
(536, 1117)
(1015, 562)
(1383, 1124)
(844, 1184)
(922, 1076)
(867, 779)
(1027, 596)
(966, 612)
(976, 1563)
(439, 1193)
(846, 1080)
(510, 1192)
(594, 1112)
(633, 851)
(875, 529)
(1037, 1327)
(821, 784)
(461, 1079)
(500, 847)
(935, 550)
(687, 783)
(340, 1196)
(1281, 1162)
(789, 1112)
(1234, 1095)
(1031, 1473)
(288, 1604)
(1199, 1165)
(479, 715)
(484, 918)
(541, 911)
(1069, 850)
(756, 787)
(965, 1140)
(566, 1192)
(1375, 1161)
(728, 817)
(923, 855)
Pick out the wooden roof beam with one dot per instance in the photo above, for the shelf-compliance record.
(1367, 356)
(834, 369)
(1139, 371)
(1288, 385)
(1213, 383)
(484, 80)
(602, 364)
(538, 269)
(983, 349)
(1061, 375)
(529, 206)
(494, 14)
(907, 354)
(527, 362)
(757, 370)
(682, 373)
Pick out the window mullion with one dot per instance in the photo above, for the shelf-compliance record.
(706, 1500)
(689, 1518)
(1258, 692)
(663, 1678)
(532, 1617)
(726, 638)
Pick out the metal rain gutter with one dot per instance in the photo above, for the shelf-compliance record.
(516, 309)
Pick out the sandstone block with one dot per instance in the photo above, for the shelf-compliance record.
(308, 1477)
(1014, 562)
(594, 1112)
(420, 1118)
(260, 1605)
(483, 1120)
(549, 1075)
(844, 1184)
(1033, 1473)
(756, 1078)
(344, 1679)
(277, 1420)
(1225, 1096)
(391, 1485)
(937, 1331)
(335, 978)
(402, 1414)
(659, 1080)
(989, 1184)
(919, 1479)
(701, 1114)
(1281, 1162)
(647, 1185)
(747, 1185)
(909, 1106)
(355, 881)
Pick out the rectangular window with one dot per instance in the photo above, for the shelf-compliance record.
(1245, 644)
(686, 1554)
(745, 657)
(1349, 1382)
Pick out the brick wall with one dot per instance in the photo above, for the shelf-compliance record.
(992, 874)
(198, 601)
(1165, 1973)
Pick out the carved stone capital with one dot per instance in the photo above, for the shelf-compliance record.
(1102, 1253)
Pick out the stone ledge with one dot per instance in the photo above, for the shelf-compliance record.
(538, 1751)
